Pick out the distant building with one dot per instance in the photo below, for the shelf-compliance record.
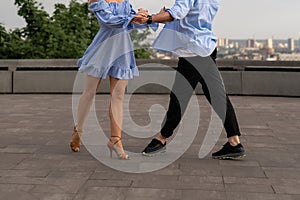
(282, 45)
(289, 56)
(259, 49)
(251, 43)
(259, 45)
(291, 44)
(223, 42)
(236, 45)
(270, 43)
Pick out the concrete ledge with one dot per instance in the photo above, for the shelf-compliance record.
(173, 63)
(232, 81)
(5, 82)
(149, 81)
(51, 82)
(43, 81)
(155, 82)
(156, 77)
(271, 83)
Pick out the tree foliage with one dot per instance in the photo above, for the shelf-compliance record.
(64, 34)
(141, 48)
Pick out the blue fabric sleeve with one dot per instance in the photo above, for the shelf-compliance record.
(104, 15)
(130, 18)
(153, 26)
(180, 8)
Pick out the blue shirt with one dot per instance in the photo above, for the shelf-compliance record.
(190, 33)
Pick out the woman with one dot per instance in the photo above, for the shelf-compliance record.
(110, 54)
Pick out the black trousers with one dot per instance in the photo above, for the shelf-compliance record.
(177, 107)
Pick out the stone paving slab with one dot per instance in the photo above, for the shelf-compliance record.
(36, 162)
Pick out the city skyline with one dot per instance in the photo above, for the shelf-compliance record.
(235, 20)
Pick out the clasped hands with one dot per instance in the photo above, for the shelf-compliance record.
(142, 16)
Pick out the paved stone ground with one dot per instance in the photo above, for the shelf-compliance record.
(36, 162)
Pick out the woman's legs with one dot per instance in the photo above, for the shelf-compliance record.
(86, 100)
(117, 91)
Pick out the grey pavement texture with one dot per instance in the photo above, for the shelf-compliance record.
(37, 163)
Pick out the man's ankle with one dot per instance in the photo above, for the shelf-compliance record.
(161, 138)
(234, 140)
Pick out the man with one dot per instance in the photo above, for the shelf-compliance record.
(188, 34)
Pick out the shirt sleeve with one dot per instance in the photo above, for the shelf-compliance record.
(153, 26)
(180, 8)
(105, 15)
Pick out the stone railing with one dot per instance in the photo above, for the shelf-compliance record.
(280, 78)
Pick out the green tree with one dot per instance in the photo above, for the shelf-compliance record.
(3, 41)
(65, 34)
(141, 49)
(11, 44)
(77, 27)
(38, 29)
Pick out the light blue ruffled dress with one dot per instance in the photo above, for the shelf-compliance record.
(111, 53)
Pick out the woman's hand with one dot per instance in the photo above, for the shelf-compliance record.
(139, 19)
(142, 12)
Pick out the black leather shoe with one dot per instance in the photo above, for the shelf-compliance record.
(230, 152)
(154, 147)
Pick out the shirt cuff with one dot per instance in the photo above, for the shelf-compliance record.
(172, 13)
(128, 21)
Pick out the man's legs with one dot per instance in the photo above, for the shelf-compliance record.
(233, 149)
(191, 69)
(183, 92)
(186, 80)
(215, 93)
(230, 123)
(185, 83)
(177, 107)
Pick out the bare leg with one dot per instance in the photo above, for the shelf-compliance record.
(161, 138)
(234, 140)
(117, 91)
(86, 100)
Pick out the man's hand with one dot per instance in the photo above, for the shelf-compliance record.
(162, 10)
(162, 17)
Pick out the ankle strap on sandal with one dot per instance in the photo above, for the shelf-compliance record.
(115, 142)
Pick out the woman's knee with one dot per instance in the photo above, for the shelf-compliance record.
(118, 94)
(89, 94)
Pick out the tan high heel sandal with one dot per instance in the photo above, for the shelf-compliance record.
(113, 147)
(75, 140)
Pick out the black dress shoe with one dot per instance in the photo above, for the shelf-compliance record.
(154, 147)
(230, 152)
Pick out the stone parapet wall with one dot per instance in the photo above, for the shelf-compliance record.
(280, 78)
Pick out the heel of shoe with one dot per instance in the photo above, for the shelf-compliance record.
(75, 140)
(113, 147)
(110, 149)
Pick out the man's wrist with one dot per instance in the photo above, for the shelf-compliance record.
(149, 21)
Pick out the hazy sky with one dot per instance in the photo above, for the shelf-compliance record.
(236, 19)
